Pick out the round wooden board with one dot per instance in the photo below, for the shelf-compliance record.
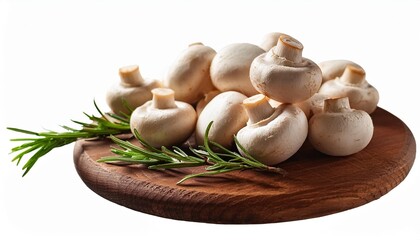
(316, 184)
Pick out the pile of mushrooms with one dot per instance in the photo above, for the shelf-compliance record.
(269, 96)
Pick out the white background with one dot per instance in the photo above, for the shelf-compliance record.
(56, 57)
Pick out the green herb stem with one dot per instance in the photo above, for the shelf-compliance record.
(221, 161)
(109, 125)
(43, 142)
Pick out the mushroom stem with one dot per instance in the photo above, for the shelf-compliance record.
(335, 105)
(163, 98)
(353, 75)
(289, 48)
(258, 108)
(195, 44)
(130, 75)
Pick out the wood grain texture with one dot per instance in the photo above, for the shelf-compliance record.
(316, 184)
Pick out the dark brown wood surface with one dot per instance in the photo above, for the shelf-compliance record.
(316, 184)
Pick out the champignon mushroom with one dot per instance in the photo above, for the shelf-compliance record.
(339, 130)
(229, 69)
(131, 92)
(189, 76)
(353, 84)
(272, 135)
(334, 68)
(283, 74)
(228, 116)
(270, 40)
(164, 121)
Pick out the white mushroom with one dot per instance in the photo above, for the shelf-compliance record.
(334, 68)
(131, 92)
(229, 69)
(189, 76)
(353, 84)
(164, 121)
(228, 116)
(283, 74)
(340, 130)
(270, 40)
(272, 135)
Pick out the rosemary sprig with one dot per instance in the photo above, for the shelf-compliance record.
(43, 142)
(164, 158)
(109, 125)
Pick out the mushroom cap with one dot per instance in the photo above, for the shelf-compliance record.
(362, 95)
(229, 69)
(189, 76)
(120, 95)
(283, 80)
(270, 40)
(340, 133)
(334, 68)
(228, 116)
(276, 138)
(164, 127)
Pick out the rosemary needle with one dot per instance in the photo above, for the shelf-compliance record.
(219, 162)
(41, 143)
